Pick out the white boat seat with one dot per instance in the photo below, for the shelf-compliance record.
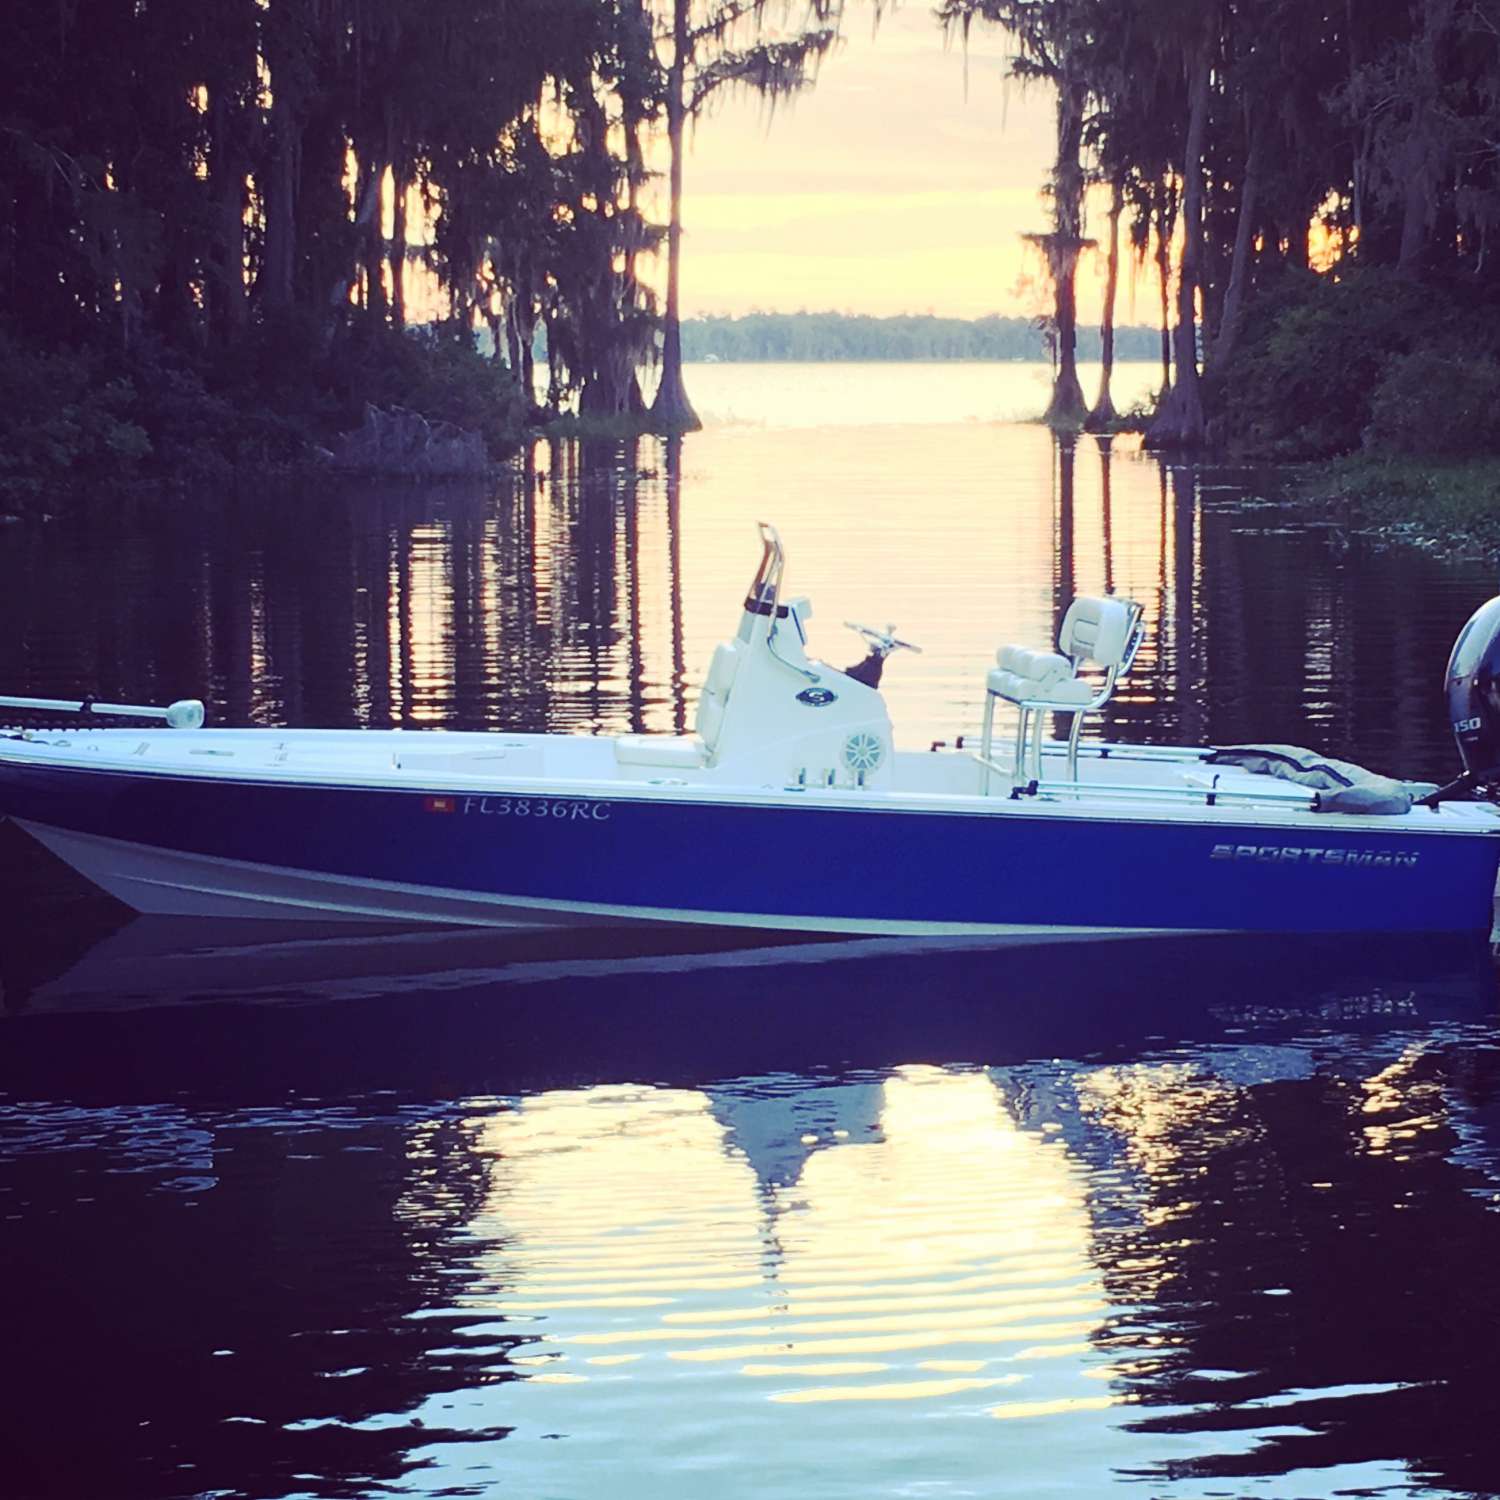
(1100, 632)
(674, 750)
(689, 751)
(1024, 675)
(713, 701)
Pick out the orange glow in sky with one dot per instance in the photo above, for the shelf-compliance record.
(893, 186)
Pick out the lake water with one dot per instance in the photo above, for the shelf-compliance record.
(290, 1213)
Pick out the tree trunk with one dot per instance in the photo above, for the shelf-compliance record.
(232, 261)
(1416, 214)
(328, 261)
(374, 241)
(672, 411)
(635, 172)
(227, 164)
(1360, 174)
(1179, 421)
(554, 370)
(274, 285)
(520, 323)
(175, 310)
(399, 187)
(1104, 415)
(1164, 287)
(1068, 407)
(1420, 157)
(1239, 269)
(513, 341)
(524, 319)
(367, 208)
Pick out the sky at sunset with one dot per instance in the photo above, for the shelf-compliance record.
(890, 187)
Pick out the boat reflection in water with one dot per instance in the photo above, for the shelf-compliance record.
(825, 1219)
(524, 1011)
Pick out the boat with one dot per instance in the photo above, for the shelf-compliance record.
(789, 808)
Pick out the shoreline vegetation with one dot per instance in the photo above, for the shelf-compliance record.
(1451, 506)
(1330, 177)
(409, 403)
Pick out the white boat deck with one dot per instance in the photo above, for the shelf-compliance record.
(1113, 780)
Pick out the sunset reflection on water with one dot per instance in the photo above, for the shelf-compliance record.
(775, 1266)
(585, 590)
(898, 1239)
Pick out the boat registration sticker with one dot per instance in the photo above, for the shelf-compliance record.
(552, 809)
(440, 804)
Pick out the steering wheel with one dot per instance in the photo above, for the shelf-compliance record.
(883, 642)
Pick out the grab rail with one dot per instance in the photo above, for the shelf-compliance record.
(1103, 750)
(1209, 796)
(765, 598)
(765, 590)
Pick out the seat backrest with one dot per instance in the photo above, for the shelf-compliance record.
(1098, 630)
(714, 698)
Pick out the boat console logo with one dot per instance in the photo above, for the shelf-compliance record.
(1283, 854)
(817, 697)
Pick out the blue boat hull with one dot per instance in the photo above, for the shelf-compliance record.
(517, 859)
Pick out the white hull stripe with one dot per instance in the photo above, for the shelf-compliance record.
(169, 883)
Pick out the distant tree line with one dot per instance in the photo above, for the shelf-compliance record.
(1331, 170)
(848, 336)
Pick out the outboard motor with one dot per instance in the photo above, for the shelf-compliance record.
(1473, 689)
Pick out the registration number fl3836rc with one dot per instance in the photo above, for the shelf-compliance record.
(553, 809)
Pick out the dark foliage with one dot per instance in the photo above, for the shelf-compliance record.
(1331, 171)
(1300, 381)
(1372, 359)
(60, 410)
(1437, 403)
(221, 218)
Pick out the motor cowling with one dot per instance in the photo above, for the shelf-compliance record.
(1473, 689)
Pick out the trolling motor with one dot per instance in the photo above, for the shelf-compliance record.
(1473, 689)
(881, 643)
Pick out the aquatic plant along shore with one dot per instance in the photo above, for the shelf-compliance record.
(1450, 507)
